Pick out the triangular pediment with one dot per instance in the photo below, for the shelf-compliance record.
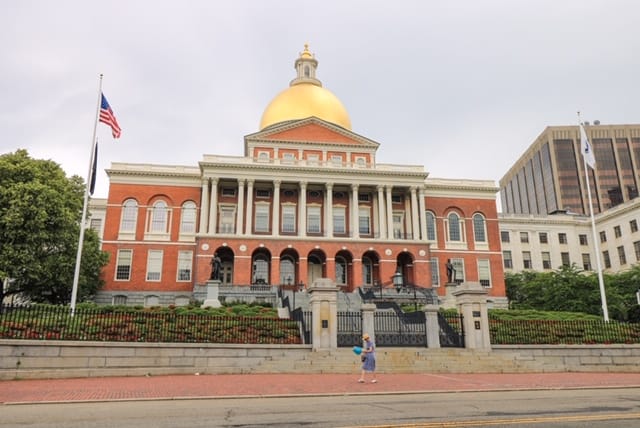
(311, 130)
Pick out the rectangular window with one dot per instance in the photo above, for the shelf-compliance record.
(504, 236)
(507, 261)
(586, 261)
(313, 219)
(154, 265)
(636, 248)
(396, 198)
(339, 220)
(123, 265)
(526, 259)
(564, 257)
(617, 231)
(364, 221)
(633, 225)
(484, 273)
(227, 219)
(544, 239)
(288, 158)
(458, 265)
(562, 238)
(397, 225)
(546, 260)
(185, 261)
(262, 218)
(603, 236)
(96, 225)
(607, 259)
(263, 193)
(435, 273)
(363, 197)
(583, 240)
(228, 191)
(313, 160)
(622, 256)
(336, 159)
(524, 237)
(288, 218)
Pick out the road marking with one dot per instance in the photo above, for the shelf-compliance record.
(489, 422)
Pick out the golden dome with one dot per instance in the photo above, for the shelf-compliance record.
(305, 97)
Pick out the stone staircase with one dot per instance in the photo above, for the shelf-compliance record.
(400, 360)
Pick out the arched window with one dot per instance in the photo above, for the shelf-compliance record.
(287, 271)
(431, 226)
(188, 220)
(455, 233)
(129, 216)
(159, 217)
(479, 230)
(367, 271)
(260, 270)
(341, 271)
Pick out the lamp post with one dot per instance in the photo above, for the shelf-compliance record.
(398, 280)
(638, 297)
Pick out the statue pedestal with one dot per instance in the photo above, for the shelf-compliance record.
(213, 288)
(449, 301)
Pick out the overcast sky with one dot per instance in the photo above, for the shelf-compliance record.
(461, 87)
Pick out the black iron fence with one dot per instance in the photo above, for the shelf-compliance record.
(56, 323)
(451, 330)
(557, 332)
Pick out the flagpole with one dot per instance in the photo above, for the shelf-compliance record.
(603, 295)
(76, 275)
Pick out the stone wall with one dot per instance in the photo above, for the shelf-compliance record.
(31, 359)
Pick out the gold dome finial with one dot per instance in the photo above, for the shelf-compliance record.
(305, 53)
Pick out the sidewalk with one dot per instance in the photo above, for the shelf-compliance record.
(286, 385)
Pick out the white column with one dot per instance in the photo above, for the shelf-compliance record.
(382, 225)
(415, 224)
(275, 221)
(239, 214)
(328, 210)
(423, 214)
(355, 229)
(213, 207)
(302, 209)
(204, 206)
(389, 213)
(248, 225)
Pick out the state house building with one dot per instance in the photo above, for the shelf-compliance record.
(307, 199)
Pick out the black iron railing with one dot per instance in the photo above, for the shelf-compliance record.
(556, 332)
(56, 323)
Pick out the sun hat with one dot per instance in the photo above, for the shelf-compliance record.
(365, 336)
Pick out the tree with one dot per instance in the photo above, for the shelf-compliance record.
(40, 211)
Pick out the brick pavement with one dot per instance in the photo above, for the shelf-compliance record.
(251, 385)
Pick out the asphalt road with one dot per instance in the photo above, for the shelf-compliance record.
(618, 408)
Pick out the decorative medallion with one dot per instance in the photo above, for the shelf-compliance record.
(388, 252)
(205, 247)
(243, 248)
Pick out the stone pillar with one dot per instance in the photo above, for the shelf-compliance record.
(471, 299)
(328, 211)
(422, 214)
(213, 288)
(204, 206)
(323, 299)
(368, 312)
(240, 214)
(389, 213)
(275, 221)
(355, 212)
(415, 220)
(248, 224)
(213, 207)
(302, 209)
(433, 326)
(382, 224)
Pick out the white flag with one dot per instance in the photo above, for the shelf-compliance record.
(586, 148)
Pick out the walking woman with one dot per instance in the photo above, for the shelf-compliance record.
(368, 359)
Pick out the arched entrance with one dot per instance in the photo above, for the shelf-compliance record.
(226, 256)
(289, 267)
(344, 269)
(405, 267)
(261, 267)
(370, 269)
(316, 261)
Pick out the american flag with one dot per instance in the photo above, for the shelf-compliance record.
(107, 116)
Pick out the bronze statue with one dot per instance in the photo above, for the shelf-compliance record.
(451, 271)
(216, 267)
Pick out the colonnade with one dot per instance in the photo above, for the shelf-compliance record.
(382, 222)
